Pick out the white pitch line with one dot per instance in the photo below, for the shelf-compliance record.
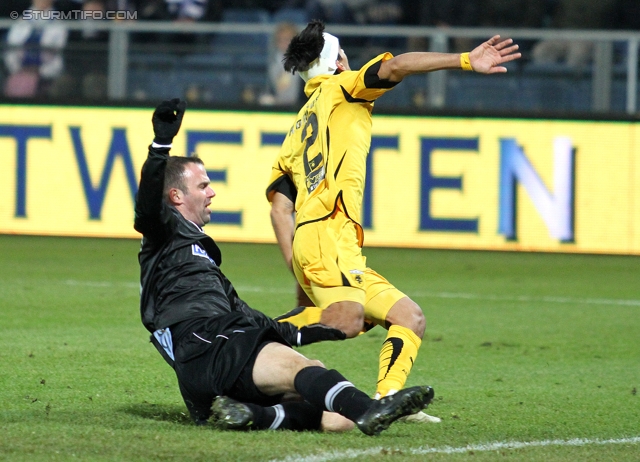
(468, 296)
(527, 298)
(73, 282)
(269, 290)
(495, 446)
(442, 295)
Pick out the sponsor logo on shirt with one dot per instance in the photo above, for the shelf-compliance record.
(200, 252)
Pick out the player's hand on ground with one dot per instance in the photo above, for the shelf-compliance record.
(318, 333)
(167, 119)
(489, 57)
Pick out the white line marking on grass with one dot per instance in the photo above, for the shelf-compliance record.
(445, 295)
(527, 298)
(467, 296)
(496, 446)
(73, 282)
(269, 290)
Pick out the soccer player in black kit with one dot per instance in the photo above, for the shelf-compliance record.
(234, 364)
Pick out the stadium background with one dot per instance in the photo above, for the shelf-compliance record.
(543, 158)
(439, 182)
(533, 354)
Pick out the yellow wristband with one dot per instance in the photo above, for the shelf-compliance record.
(464, 62)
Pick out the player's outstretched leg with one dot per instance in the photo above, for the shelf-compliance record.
(399, 351)
(376, 415)
(382, 413)
(329, 390)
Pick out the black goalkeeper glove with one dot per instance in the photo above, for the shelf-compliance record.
(167, 119)
(318, 333)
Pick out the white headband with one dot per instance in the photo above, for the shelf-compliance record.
(326, 62)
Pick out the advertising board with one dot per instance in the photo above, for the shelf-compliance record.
(433, 182)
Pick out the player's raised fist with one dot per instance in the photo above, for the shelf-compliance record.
(167, 119)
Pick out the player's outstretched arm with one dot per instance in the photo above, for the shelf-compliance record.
(166, 121)
(487, 58)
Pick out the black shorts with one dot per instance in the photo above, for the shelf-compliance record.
(217, 358)
(245, 390)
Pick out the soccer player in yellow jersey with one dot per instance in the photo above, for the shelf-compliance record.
(320, 174)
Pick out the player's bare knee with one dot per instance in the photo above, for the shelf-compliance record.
(345, 316)
(315, 363)
(299, 364)
(419, 321)
(407, 313)
(353, 328)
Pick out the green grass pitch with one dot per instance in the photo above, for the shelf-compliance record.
(533, 357)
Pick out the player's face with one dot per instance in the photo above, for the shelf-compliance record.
(343, 61)
(198, 196)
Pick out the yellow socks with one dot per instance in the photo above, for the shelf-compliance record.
(397, 355)
(301, 316)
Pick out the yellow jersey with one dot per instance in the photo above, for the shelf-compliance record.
(324, 153)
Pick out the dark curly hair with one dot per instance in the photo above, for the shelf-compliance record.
(304, 48)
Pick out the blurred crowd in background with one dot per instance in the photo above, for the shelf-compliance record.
(571, 14)
(36, 63)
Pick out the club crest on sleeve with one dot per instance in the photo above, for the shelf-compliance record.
(358, 275)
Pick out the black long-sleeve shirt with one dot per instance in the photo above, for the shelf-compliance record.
(180, 275)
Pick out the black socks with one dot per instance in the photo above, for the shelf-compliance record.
(328, 389)
(321, 389)
(292, 415)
